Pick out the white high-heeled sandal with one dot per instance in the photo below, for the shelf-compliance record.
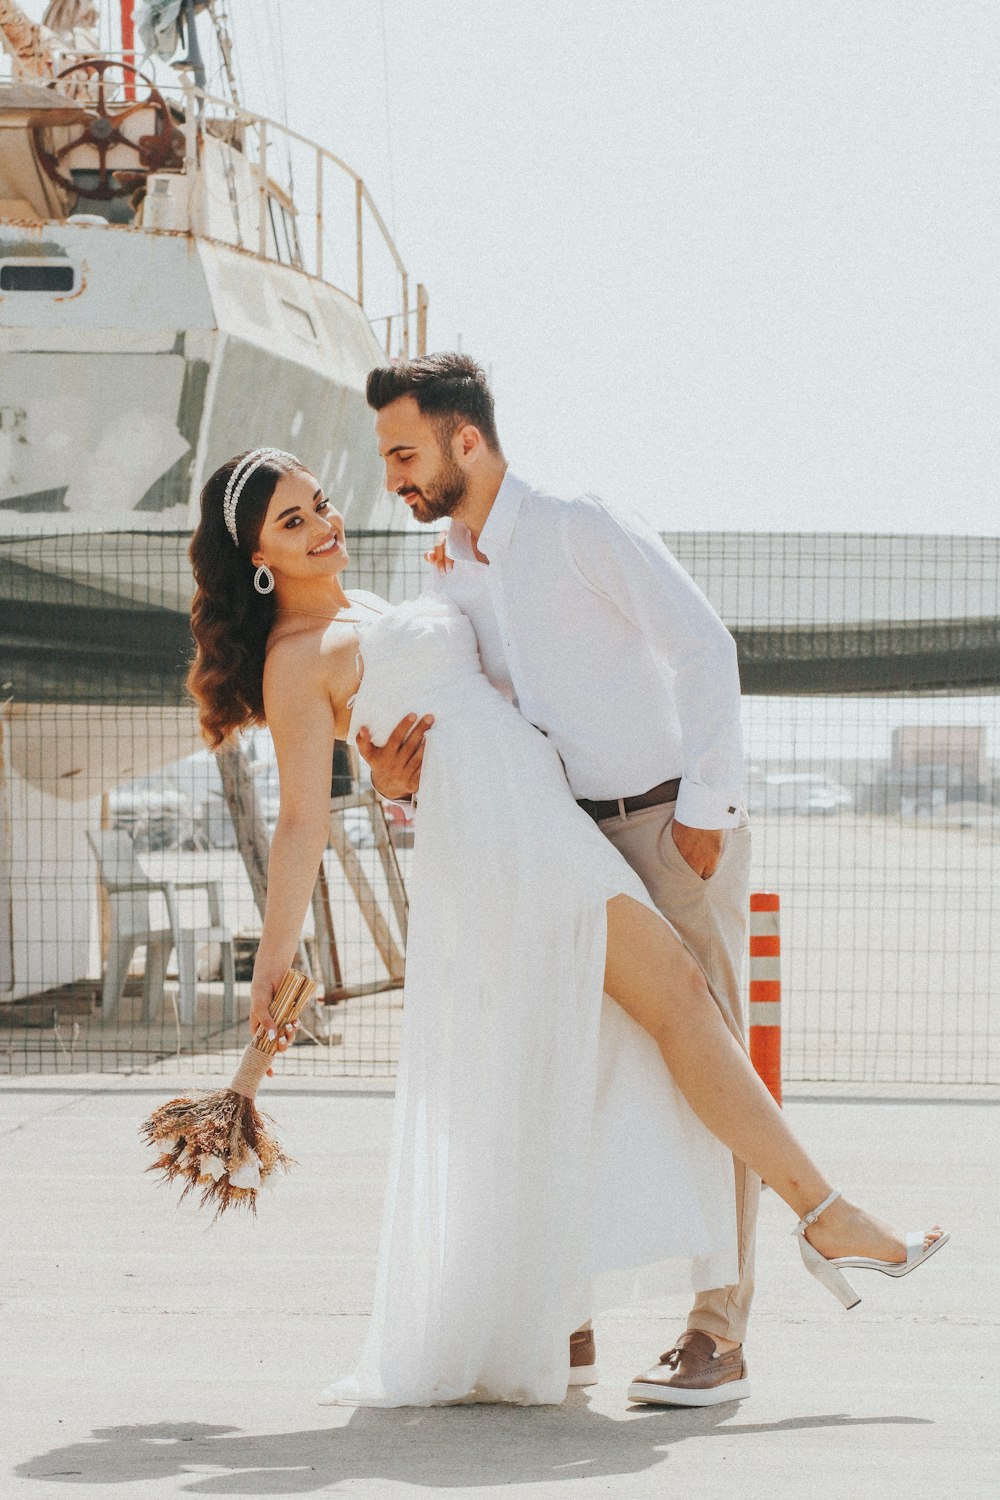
(829, 1272)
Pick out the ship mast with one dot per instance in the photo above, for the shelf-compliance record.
(128, 46)
(225, 45)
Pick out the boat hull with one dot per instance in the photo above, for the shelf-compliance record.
(169, 354)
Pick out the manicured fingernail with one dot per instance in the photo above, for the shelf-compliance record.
(271, 1035)
(410, 718)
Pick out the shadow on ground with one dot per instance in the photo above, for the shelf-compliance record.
(441, 1448)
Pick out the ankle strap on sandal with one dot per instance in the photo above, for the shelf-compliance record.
(811, 1218)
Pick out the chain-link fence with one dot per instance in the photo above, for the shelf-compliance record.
(871, 673)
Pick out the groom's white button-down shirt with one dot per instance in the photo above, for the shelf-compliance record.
(590, 626)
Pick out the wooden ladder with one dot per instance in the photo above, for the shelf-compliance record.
(320, 955)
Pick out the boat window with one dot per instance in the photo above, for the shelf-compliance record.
(282, 250)
(292, 234)
(36, 276)
(300, 320)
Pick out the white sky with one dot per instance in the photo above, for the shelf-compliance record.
(733, 261)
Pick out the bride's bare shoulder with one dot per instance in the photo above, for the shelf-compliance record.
(300, 661)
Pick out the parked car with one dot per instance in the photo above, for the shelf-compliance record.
(802, 792)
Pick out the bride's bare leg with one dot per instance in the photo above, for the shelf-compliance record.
(651, 975)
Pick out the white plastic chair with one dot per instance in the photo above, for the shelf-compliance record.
(129, 889)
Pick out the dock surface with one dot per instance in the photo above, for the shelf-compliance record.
(147, 1353)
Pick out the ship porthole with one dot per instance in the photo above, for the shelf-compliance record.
(24, 273)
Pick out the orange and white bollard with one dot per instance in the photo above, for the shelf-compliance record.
(765, 989)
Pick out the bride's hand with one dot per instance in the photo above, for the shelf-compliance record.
(438, 556)
(261, 995)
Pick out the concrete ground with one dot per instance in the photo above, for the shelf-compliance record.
(144, 1353)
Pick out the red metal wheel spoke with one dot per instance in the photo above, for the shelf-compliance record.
(80, 140)
(134, 109)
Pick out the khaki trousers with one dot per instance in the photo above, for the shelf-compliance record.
(711, 917)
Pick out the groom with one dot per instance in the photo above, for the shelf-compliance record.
(587, 623)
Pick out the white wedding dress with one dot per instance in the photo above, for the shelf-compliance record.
(541, 1154)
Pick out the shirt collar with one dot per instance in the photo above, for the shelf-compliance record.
(494, 539)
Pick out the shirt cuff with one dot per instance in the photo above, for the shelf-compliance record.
(406, 805)
(700, 806)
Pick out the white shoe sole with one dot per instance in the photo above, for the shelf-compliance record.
(665, 1395)
(583, 1375)
(890, 1267)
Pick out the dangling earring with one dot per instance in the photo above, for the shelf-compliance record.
(263, 579)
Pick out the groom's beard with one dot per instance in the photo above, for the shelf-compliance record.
(442, 496)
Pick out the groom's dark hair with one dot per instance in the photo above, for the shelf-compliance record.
(448, 388)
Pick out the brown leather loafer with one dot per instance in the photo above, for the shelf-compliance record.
(693, 1374)
(582, 1357)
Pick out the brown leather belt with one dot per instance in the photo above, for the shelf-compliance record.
(665, 792)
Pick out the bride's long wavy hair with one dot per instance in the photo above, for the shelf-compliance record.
(230, 620)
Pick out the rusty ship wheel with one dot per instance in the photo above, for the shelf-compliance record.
(102, 132)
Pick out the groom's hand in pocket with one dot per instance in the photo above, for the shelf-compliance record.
(701, 847)
(395, 766)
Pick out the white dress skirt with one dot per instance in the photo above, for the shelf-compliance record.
(543, 1163)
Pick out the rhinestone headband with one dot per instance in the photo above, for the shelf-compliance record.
(238, 478)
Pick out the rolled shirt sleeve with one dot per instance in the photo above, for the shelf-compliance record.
(629, 566)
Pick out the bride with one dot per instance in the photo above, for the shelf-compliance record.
(568, 1093)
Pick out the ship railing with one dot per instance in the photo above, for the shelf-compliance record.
(262, 137)
(311, 191)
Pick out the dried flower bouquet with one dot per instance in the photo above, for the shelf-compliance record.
(219, 1141)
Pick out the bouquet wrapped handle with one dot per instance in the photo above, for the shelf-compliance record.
(289, 1001)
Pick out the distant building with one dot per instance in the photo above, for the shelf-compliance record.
(950, 754)
(932, 766)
